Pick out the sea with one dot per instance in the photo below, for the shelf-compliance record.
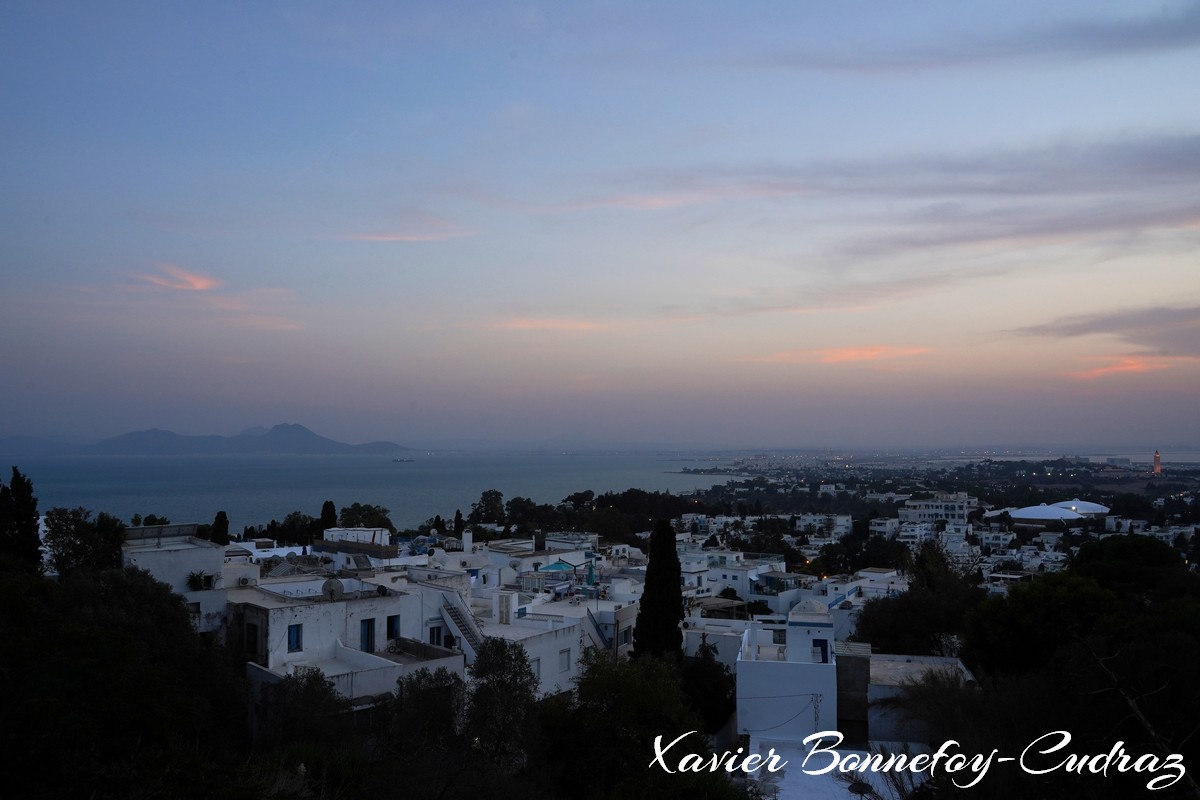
(253, 490)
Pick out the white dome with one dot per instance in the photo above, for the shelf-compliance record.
(1045, 513)
(1082, 506)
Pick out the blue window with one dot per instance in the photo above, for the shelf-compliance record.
(295, 638)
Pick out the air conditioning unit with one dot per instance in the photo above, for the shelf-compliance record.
(243, 581)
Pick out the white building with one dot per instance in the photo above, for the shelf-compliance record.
(361, 635)
(884, 526)
(192, 567)
(787, 676)
(951, 507)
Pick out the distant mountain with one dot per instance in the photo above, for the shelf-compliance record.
(257, 430)
(282, 439)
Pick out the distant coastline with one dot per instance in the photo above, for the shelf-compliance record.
(282, 439)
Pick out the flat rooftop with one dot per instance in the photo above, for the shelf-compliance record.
(896, 670)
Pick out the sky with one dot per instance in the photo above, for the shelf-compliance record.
(765, 224)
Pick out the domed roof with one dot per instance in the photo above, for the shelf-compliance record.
(1082, 506)
(1045, 513)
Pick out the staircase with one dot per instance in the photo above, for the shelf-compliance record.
(599, 630)
(464, 626)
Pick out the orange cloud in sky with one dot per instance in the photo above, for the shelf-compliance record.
(177, 277)
(1118, 365)
(841, 355)
(875, 353)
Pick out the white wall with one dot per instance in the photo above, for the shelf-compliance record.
(327, 622)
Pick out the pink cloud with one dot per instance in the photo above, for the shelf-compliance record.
(841, 355)
(176, 277)
(1118, 365)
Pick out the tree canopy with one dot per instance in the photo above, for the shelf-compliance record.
(488, 509)
(20, 544)
(74, 541)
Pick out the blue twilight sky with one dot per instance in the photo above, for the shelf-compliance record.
(752, 224)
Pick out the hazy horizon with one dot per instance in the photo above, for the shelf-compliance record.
(708, 227)
(1170, 450)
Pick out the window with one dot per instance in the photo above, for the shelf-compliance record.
(295, 638)
(366, 635)
(393, 626)
(564, 660)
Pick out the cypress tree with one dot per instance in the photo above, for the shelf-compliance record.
(329, 517)
(220, 528)
(20, 544)
(656, 631)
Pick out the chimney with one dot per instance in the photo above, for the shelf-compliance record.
(468, 539)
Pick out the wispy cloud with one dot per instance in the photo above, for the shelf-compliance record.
(1161, 331)
(191, 291)
(1072, 40)
(840, 355)
(172, 276)
(1166, 338)
(681, 191)
(1131, 192)
(1120, 365)
(837, 293)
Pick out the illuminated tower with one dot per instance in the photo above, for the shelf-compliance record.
(1157, 463)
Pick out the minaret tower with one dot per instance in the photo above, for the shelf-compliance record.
(1157, 464)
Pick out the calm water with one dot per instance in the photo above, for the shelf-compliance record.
(253, 490)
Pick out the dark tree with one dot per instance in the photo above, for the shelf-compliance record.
(656, 631)
(622, 706)
(20, 545)
(428, 714)
(75, 542)
(362, 515)
(153, 519)
(459, 524)
(709, 687)
(503, 691)
(118, 695)
(521, 511)
(298, 528)
(490, 508)
(220, 528)
(329, 517)
(301, 709)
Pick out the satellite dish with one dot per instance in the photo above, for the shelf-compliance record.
(514, 564)
(333, 589)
